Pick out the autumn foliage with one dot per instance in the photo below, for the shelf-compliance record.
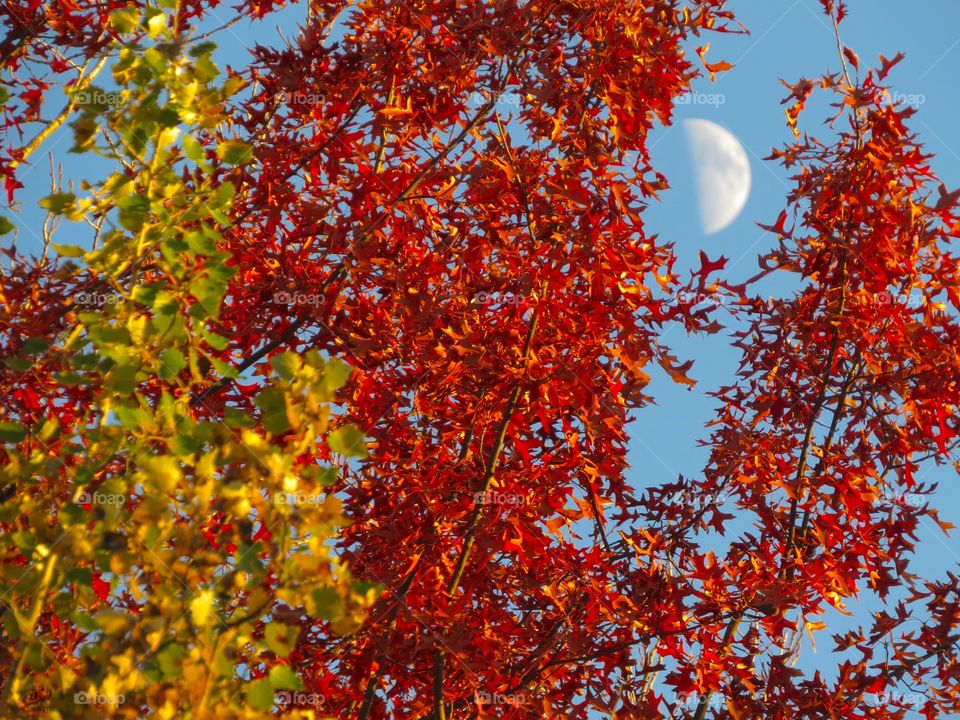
(328, 415)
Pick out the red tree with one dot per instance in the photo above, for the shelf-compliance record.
(450, 198)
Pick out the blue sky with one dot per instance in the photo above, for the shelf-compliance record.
(788, 39)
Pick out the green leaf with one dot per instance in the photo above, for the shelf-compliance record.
(324, 475)
(183, 444)
(125, 20)
(5, 226)
(260, 695)
(222, 664)
(164, 304)
(217, 342)
(81, 576)
(209, 293)
(220, 216)
(158, 61)
(84, 621)
(234, 152)
(348, 440)
(200, 243)
(225, 369)
(314, 358)
(35, 659)
(217, 267)
(57, 202)
(69, 250)
(19, 364)
(223, 195)
(172, 362)
(151, 537)
(50, 430)
(281, 639)
(12, 432)
(35, 346)
(122, 379)
(175, 245)
(336, 374)
(25, 540)
(192, 148)
(234, 418)
(282, 677)
(133, 418)
(169, 660)
(204, 69)
(113, 622)
(328, 476)
(247, 558)
(286, 364)
(83, 475)
(273, 405)
(201, 49)
(325, 603)
(132, 211)
(145, 294)
(167, 116)
(71, 379)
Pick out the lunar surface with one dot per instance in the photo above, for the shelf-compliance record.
(722, 173)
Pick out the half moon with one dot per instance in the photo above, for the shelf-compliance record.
(722, 171)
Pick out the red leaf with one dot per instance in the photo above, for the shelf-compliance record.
(852, 58)
(100, 587)
(887, 65)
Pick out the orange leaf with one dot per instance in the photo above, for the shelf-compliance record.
(713, 68)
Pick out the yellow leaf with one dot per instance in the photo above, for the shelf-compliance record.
(201, 608)
(156, 25)
(168, 136)
(811, 626)
(162, 472)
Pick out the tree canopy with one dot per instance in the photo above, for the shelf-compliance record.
(322, 410)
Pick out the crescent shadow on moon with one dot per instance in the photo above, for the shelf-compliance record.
(722, 172)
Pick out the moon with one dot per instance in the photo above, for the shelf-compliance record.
(722, 171)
